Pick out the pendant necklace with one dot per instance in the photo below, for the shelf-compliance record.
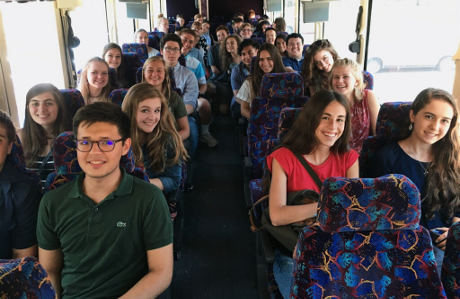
(425, 170)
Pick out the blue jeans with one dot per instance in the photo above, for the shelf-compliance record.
(193, 138)
(282, 270)
(439, 257)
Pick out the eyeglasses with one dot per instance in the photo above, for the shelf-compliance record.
(185, 41)
(104, 145)
(172, 50)
(318, 44)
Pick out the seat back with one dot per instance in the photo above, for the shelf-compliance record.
(367, 243)
(154, 42)
(389, 122)
(139, 49)
(117, 96)
(73, 100)
(66, 167)
(287, 117)
(16, 159)
(277, 91)
(24, 278)
(131, 63)
(451, 265)
(368, 80)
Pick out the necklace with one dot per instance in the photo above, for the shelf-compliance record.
(425, 170)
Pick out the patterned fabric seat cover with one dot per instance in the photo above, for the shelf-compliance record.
(131, 63)
(451, 264)
(368, 80)
(66, 164)
(139, 49)
(287, 117)
(367, 243)
(24, 278)
(117, 96)
(73, 100)
(16, 159)
(277, 92)
(390, 119)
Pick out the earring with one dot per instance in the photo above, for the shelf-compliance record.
(411, 126)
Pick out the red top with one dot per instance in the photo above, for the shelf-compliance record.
(360, 123)
(336, 165)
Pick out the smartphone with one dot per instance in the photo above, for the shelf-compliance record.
(435, 233)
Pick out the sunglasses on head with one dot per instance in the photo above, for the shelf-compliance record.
(318, 44)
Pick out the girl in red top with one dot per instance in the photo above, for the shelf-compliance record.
(321, 135)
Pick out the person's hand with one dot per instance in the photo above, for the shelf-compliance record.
(441, 241)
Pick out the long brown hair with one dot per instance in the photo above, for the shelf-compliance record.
(121, 69)
(163, 134)
(166, 85)
(84, 88)
(311, 75)
(34, 136)
(226, 58)
(301, 137)
(442, 182)
(257, 74)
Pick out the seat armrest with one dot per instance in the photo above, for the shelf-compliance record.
(247, 167)
(267, 246)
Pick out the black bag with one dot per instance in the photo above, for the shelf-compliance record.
(287, 234)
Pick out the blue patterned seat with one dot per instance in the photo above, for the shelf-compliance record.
(451, 265)
(16, 159)
(367, 243)
(66, 164)
(139, 49)
(390, 119)
(73, 100)
(277, 92)
(131, 63)
(24, 278)
(117, 96)
(368, 80)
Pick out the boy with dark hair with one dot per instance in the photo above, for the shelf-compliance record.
(105, 234)
(294, 47)
(247, 50)
(171, 47)
(270, 35)
(19, 199)
(236, 24)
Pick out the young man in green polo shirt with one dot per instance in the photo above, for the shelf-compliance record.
(105, 234)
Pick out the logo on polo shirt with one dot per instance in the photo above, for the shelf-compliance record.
(121, 224)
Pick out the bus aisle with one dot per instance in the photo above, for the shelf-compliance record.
(218, 249)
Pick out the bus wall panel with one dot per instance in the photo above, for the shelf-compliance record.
(187, 8)
(228, 8)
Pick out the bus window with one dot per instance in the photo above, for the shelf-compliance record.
(340, 29)
(306, 29)
(32, 52)
(125, 25)
(290, 15)
(89, 24)
(411, 46)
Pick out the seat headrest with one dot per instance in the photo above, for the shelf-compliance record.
(281, 85)
(390, 202)
(392, 116)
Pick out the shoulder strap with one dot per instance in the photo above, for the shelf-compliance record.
(45, 160)
(310, 171)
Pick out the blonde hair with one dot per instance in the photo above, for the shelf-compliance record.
(84, 88)
(163, 134)
(197, 16)
(166, 85)
(355, 71)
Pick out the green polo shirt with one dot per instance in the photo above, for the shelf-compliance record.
(103, 245)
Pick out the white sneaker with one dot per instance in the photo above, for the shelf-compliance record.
(209, 140)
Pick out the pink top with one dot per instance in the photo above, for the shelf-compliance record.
(360, 123)
(336, 165)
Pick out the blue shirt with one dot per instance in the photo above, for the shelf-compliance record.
(195, 66)
(293, 63)
(393, 160)
(197, 54)
(187, 83)
(239, 74)
(19, 200)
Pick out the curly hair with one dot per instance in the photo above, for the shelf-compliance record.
(311, 75)
(226, 58)
(163, 134)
